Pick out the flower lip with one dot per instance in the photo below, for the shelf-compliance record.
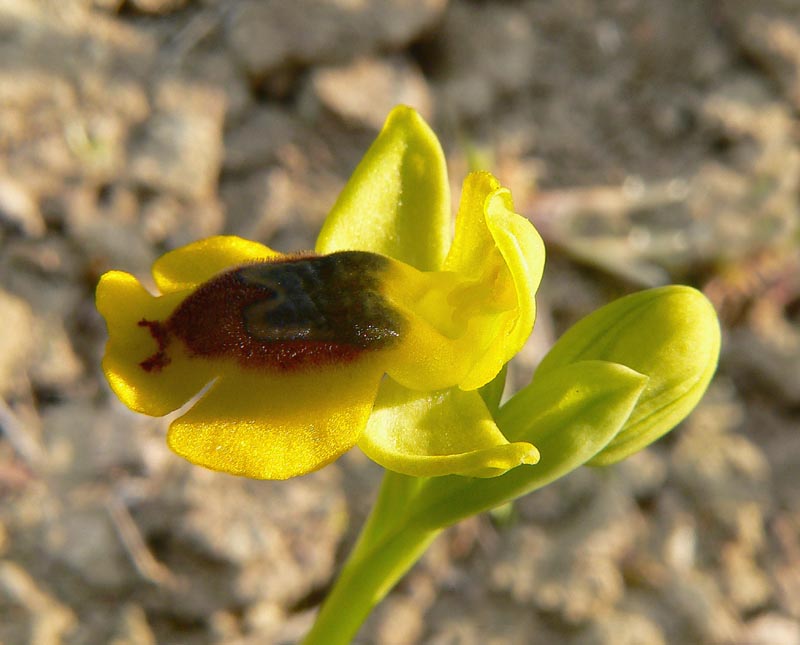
(284, 315)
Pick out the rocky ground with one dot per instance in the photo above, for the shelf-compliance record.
(649, 141)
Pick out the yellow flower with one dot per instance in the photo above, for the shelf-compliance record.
(380, 337)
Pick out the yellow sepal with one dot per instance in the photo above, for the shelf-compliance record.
(446, 432)
(397, 202)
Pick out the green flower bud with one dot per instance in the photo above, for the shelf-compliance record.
(671, 335)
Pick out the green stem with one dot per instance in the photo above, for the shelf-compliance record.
(385, 551)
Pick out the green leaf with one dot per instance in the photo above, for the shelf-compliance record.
(397, 202)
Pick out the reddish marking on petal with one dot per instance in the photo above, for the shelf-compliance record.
(291, 314)
(211, 324)
(159, 360)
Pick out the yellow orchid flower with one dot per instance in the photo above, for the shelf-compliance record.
(379, 338)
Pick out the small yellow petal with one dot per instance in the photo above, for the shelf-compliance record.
(523, 253)
(502, 251)
(277, 426)
(190, 265)
(467, 321)
(439, 433)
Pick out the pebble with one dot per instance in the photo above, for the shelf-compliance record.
(17, 342)
(365, 91)
(19, 209)
(179, 147)
(267, 35)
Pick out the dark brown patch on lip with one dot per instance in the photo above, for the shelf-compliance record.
(286, 315)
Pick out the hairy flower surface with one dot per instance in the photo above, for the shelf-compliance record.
(380, 337)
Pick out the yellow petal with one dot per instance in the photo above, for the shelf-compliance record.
(277, 426)
(439, 433)
(123, 302)
(397, 202)
(193, 264)
(503, 251)
(467, 321)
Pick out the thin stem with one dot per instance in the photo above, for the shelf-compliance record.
(386, 549)
(362, 584)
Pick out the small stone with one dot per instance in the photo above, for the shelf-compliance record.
(18, 208)
(697, 605)
(85, 540)
(746, 584)
(179, 149)
(257, 140)
(264, 618)
(680, 543)
(133, 628)
(769, 33)
(618, 628)
(57, 366)
(269, 34)
(17, 342)
(772, 629)
(365, 91)
(476, 66)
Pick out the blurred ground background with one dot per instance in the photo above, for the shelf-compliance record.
(649, 140)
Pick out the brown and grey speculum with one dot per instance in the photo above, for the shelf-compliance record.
(286, 314)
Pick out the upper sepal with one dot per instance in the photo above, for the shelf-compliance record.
(397, 201)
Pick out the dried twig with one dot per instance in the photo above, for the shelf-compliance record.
(141, 556)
